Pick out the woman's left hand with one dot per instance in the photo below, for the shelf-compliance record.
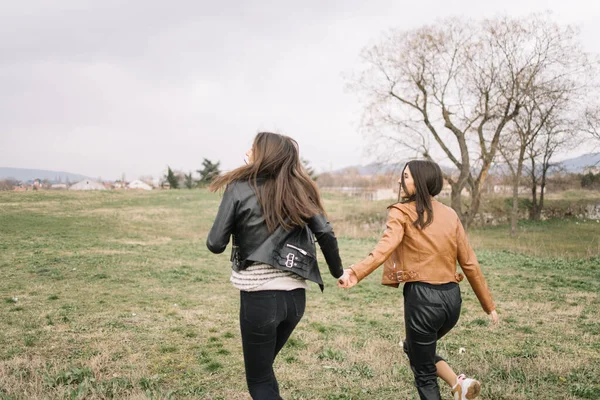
(494, 317)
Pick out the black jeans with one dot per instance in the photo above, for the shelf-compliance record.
(430, 311)
(267, 319)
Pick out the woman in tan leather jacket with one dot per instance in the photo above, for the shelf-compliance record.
(420, 246)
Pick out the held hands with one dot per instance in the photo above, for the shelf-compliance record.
(347, 280)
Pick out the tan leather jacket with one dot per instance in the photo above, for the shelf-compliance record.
(429, 255)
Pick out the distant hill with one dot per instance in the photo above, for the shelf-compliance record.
(577, 164)
(372, 169)
(380, 168)
(572, 165)
(25, 174)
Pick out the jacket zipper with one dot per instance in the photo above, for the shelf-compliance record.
(304, 252)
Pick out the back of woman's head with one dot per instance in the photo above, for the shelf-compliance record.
(428, 182)
(288, 196)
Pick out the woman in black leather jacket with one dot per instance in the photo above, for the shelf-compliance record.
(273, 211)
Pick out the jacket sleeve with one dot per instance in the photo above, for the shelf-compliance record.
(470, 266)
(323, 231)
(219, 234)
(394, 232)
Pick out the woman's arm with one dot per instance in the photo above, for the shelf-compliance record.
(470, 266)
(323, 231)
(219, 234)
(394, 232)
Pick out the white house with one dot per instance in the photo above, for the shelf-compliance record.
(591, 169)
(87, 184)
(137, 184)
(508, 189)
(384, 194)
(59, 186)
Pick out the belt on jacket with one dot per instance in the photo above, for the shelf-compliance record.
(403, 276)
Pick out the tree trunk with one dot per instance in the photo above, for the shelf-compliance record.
(514, 215)
(533, 212)
(456, 203)
(542, 192)
(475, 203)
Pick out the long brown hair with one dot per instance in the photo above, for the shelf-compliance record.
(288, 196)
(428, 179)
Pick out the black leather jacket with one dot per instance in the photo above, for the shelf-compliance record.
(240, 216)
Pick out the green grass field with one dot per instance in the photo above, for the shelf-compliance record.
(114, 295)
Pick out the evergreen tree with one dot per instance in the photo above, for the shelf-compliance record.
(172, 179)
(208, 172)
(309, 170)
(590, 181)
(188, 181)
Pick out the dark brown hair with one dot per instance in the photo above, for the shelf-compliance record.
(428, 180)
(288, 196)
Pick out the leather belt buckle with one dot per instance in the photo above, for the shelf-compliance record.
(402, 276)
(289, 261)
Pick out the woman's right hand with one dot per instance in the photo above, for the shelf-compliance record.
(494, 317)
(348, 280)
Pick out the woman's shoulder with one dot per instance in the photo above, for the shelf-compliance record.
(410, 209)
(232, 186)
(248, 182)
(238, 187)
(407, 209)
(406, 206)
(239, 184)
(444, 209)
(402, 206)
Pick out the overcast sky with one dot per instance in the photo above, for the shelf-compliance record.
(105, 87)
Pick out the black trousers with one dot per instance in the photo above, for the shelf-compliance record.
(430, 311)
(267, 319)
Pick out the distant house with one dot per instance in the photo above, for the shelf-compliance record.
(137, 184)
(59, 186)
(120, 185)
(21, 188)
(87, 184)
(508, 189)
(382, 194)
(447, 191)
(373, 194)
(592, 169)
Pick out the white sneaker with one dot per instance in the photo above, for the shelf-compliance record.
(466, 388)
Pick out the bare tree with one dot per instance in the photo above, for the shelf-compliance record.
(544, 125)
(592, 122)
(147, 179)
(525, 129)
(556, 134)
(450, 90)
(8, 184)
(550, 109)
